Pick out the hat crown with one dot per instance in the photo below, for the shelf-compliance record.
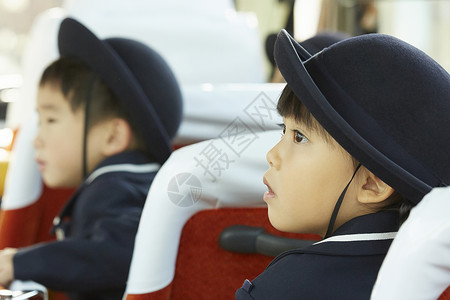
(155, 78)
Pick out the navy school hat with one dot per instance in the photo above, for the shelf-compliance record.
(384, 101)
(322, 40)
(139, 77)
(313, 44)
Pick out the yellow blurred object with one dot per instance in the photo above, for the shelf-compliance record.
(4, 161)
(6, 140)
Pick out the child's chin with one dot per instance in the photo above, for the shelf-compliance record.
(55, 184)
(275, 220)
(52, 184)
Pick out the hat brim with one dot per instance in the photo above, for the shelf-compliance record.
(76, 40)
(291, 58)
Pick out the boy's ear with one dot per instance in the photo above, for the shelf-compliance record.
(118, 136)
(373, 189)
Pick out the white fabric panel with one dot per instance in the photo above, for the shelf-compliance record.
(114, 7)
(170, 203)
(202, 40)
(197, 48)
(209, 109)
(417, 265)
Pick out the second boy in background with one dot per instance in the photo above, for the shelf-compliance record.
(108, 110)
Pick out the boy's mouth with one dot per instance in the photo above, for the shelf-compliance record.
(41, 164)
(269, 194)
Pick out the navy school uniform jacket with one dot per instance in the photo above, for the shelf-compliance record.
(344, 266)
(97, 229)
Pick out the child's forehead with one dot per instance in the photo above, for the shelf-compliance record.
(50, 89)
(51, 98)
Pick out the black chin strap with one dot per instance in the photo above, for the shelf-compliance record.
(86, 122)
(338, 205)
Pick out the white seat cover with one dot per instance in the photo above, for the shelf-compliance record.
(417, 265)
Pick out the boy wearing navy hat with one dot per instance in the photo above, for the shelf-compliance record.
(365, 137)
(108, 110)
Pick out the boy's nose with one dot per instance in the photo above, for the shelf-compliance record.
(273, 157)
(37, 142)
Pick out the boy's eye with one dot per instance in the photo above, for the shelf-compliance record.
(299, 138)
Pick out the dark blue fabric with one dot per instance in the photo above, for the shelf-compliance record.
(92, 262)
(329, 270)
(322, 40)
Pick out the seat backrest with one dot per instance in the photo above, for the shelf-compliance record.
(417, 265)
